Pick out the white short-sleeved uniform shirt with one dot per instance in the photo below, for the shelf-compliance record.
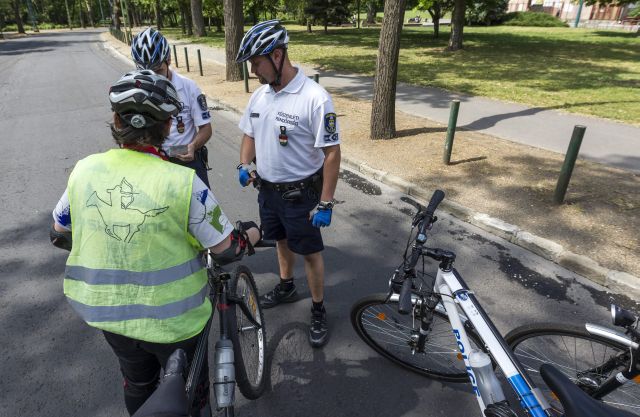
(290, 128)
(195, 112)
(207, 222)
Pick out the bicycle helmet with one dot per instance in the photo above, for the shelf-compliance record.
(142, 98)
(149, 49)
(262, 39)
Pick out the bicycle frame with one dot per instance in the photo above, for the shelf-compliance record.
(454, 293)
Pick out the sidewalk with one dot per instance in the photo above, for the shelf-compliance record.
(499, 185)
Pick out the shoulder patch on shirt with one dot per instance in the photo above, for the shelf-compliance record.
(254, 115)
(330, 122)
(202, 102)
(206, 115)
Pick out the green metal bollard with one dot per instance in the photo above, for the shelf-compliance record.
(186, 58)
(569, 162)
(451, 131)
(200, 62)
(245, 75)
(175, 55)
(316, 78)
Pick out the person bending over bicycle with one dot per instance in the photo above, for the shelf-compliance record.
(138, 226)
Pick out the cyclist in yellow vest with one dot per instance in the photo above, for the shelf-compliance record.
(138, 225)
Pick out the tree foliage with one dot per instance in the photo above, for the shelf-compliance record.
(485, 12)
(327, 11)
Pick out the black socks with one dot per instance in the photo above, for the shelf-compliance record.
(286, 284)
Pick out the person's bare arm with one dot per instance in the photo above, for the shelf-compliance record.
(330, 171)
(200, 139)
(247, 150)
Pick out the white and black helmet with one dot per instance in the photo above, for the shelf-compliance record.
(142, 98)
(149, 49)
(262, 39)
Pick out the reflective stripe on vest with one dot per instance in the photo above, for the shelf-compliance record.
(137, 311)
(117, 277)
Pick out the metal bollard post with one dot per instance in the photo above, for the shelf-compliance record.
(569, 162)
(451, 131)
(316, 78)
(186, 58)
(245, 75)
(175, 55)
(200, 62)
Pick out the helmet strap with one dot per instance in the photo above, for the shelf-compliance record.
(278, 71)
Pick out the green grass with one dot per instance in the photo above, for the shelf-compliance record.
(584, 71)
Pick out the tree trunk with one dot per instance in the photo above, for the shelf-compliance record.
(127, 13)
(183, 19)
(89, 13)
(233, 30)
(326, 27)
(309, 26)
(383, 108)
(116, 15)
(371, 13)
(218, 24)
(17, 16)
(197, 18)
(133, 13)
(81, 14)
(457, 26)
(436, 13)
(158, 10)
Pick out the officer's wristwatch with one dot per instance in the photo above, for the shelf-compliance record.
(327, 205)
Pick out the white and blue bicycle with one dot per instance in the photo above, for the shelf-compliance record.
(412, 325)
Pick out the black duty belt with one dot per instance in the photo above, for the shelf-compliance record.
(293, 185)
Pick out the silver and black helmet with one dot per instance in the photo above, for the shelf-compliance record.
(142, 98)
(149, 49)
(262, 39)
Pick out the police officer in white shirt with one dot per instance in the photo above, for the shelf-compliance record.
(185, 144)
(291, 132)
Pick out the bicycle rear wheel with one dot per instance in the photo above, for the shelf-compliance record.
(389, 333)
(247, 333)
(587, 359)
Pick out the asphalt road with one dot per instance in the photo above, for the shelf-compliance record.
(54, 111)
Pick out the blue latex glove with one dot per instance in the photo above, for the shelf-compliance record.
(321, 217)
(244, 176)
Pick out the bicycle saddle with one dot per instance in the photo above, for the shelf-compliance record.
(169, 399)
(576, 402)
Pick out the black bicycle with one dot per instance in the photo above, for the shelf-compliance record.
(240, 349)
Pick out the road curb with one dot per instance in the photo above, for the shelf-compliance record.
(616, 281)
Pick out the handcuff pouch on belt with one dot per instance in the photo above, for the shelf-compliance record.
(204, 154)
(293, 191)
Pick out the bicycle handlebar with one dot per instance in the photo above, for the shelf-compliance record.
(425, 220)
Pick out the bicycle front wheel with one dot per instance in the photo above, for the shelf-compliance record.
(247, 333)
(588, 360)
(393, 335)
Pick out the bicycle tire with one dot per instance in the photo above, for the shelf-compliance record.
(441, 359)
(249, 342)
(578, 354)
